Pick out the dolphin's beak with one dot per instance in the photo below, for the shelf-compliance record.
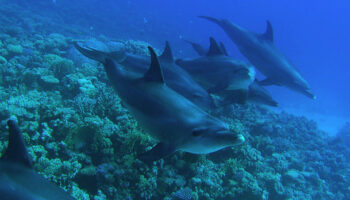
(309, 94)
(240, 139)
(231, 138)
(273, 103)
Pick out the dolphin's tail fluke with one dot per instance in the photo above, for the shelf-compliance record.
(210, 19)
(99, 56)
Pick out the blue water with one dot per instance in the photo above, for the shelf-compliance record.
(313, 34)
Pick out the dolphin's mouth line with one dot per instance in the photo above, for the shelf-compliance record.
(241, 70)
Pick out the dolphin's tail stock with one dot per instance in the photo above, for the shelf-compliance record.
(99, 56)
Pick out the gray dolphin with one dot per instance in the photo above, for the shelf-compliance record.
(18, 181)
(219, 73)
(167, 116)
(262, 53)
(257, 94)
(175, 77)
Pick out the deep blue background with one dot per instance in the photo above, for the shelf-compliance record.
(314, 34)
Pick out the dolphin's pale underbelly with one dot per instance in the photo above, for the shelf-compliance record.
(203, 147)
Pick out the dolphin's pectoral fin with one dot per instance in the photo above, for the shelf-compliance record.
(267, 81)
(161, 150)
(235, 96)
(218, 88)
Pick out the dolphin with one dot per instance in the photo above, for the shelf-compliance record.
(175, 77)
(176, 122)
(260, 50)
(219, 73)
(257, 94)
(18, 181)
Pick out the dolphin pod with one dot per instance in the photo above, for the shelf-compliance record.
(18, 181)
(260, 50)
(174, 76)
(256, 93)
(176, 122)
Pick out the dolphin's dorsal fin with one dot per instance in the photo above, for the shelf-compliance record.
(154, 72)
(167, 54)
(16, 151)
(197, 47)
(268, 35)
(214, 49)
(223, 49)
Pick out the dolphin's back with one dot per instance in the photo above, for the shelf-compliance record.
(175, 77)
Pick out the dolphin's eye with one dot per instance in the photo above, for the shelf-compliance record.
(198, 131)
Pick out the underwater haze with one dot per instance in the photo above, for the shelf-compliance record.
(82, 136)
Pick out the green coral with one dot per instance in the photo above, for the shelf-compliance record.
(60, 66)
(146, 186)
(57, 41)
(86, 86)
(4, 52)
(54, 43)
(79, 193)
(137, 47)
(2, 60)
(15, 49)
